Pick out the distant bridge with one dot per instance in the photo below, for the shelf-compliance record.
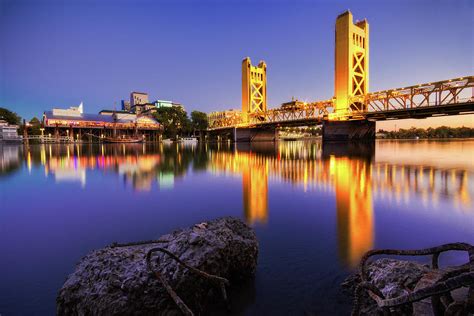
(352, 112)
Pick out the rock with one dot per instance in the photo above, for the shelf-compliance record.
(115, 280)
(392, 277)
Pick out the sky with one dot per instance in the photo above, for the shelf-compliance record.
(59, 53)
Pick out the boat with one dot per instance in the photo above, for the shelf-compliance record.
(9, 134)
(188, 140)
(123, 140)
(291, 137)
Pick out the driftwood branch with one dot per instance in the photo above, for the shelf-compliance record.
(138, 243)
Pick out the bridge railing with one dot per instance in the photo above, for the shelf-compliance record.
(307, 111)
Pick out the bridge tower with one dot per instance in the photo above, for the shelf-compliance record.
(254, 88)
(351, 80)
(351, 62)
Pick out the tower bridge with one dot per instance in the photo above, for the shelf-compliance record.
(352, 112)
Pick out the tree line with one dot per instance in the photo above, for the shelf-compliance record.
(176, 122)
(438, 132)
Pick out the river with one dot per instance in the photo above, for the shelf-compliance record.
(315, 208)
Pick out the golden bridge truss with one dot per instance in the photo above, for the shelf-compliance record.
(436, 98)
(447, 92)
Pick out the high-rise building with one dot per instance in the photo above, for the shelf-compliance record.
(126, 106)
(138, 98)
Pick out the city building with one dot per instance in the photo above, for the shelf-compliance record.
(150, 108)
(119, 114)
(143, 109)
(126, 106)
(77, 125)
(138, 98)
(163, 104)
(8, 133)
(167, 104)
(139, 104)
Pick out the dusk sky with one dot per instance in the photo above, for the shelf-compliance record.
(59, 53)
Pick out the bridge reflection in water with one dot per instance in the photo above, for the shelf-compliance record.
(351, 173)
(346, 173)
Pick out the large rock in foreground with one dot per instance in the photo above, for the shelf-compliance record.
(115, 280)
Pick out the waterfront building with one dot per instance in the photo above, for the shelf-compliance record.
(79, 126)
(8, 133)
(138, 98)
(119, 114)
(71, 111)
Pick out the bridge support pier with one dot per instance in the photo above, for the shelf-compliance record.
(256, 134)
(348, 130)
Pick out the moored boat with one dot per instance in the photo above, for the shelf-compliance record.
(123, 140)
(188, 140)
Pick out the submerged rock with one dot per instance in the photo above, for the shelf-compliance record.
(115, 280)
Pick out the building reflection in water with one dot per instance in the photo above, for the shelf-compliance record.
(349, 172)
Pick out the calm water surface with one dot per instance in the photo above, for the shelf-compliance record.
(316, 209)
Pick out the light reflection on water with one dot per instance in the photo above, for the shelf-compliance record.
(426, 179)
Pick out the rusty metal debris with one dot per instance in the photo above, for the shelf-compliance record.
(440, 292)
(219, 281)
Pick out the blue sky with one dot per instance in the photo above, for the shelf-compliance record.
(59, 53)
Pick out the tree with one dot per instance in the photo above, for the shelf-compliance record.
(174, 120)
(9, 116)
(35, 127)
(35, 122)
(199, 121)
(438, 132)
